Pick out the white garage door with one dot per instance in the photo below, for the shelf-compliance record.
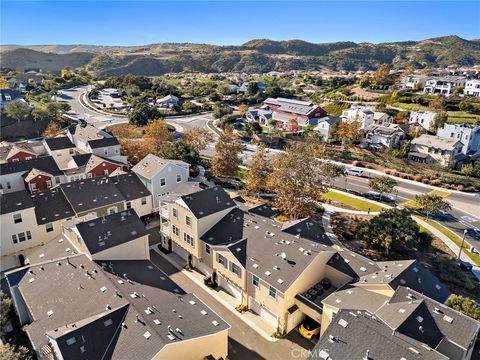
(179, 251)
(270, 318)
(231, 289)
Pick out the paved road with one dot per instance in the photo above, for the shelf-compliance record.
(243, 342)
(457, 220)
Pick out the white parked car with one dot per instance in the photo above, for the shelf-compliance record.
(355, 172)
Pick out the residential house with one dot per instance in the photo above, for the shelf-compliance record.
(413, 82)
(423, 118)
(325, 127)
(262, 116)
(7, 96)
(472, 88)
(287, 110)
(17, 84)
(467, 134)
(89, 165)
(390, 137)
(435, 150)
(112, 308)
(366, 116)
(161, 176)
(168, 101)
(61, 149)
(11, 152)
(409, 324)
(443, 84)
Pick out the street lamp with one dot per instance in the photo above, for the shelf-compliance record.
(463, 241)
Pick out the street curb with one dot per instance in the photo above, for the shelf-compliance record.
(215, 296)
(361, 198)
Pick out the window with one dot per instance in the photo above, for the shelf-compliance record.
(129, 205)
(17, 218)
(9, 186)
(72, 151)
(89, 175)
(48, 183)
(175, 230)
(235, 269)
(21, 237)
(33, 186)
(255, 281)
(207, 249)
(144, 201)
(188, 220)
(163, 182)
(272, 292)
(27, 158)
(105, 172)
(29, 235)
(179, 177)
(57, 179)
(188, 239)
(14, 238)
(222, 260)
(175, 212)
(49, 227)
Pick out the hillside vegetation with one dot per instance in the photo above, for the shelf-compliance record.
(255, 56)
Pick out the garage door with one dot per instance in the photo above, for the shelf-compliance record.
(229, 288)
(294, 320)
(180, 251)
(269, 318)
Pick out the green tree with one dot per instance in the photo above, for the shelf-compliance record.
(18, 110)
(391, 230)
(432, 203)
(466, 106)
(10, 352)
(180, 150)
(438, 103)
(259, 172)
(333, 171)
(465, 305)
(5, 308)
(188, 106)
(220, 111)
(439, 120)
(382, 185)
(468, 170)
(142, 113)
(382, 75)
(40, 113)
(458, 90)
(227, 155)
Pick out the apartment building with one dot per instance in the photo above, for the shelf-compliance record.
(472, 88)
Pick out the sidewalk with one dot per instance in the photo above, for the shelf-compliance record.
(252, 320)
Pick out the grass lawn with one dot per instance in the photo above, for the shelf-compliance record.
(358, 204)
(454, 237)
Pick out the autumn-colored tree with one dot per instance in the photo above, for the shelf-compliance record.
(382, 75)
(349, 133)
(242, 109)
(259, 172)
(156, 134)
(199, 138)
(127, 131)
(51, 130)
(227, 155)
(4, 83)
(134, 149)
(439, 103)
(298, 179)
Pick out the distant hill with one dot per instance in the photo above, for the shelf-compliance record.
(255, 56)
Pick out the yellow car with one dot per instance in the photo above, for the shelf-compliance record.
(309, 328)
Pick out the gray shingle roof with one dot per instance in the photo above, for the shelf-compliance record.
(354, 297)
(153, 301)
(357, 334)
(44, 163)
(436, 142)
(59, 143)
(112, 230)
(99, 143)
(208, 201)
(130, 186)
(51, 206)
(15, 201)
(352, 264)
(151, 165)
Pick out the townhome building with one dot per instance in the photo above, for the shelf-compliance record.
(107, 299)
(161, 176)
(443, 84)
(379, 136)
(423, 118)
(467, 134)
(413, 82)
(11, 152)
(472, 88)
(435, 150)
(366, 116)
(285, 111)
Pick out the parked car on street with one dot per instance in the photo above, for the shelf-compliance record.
(355, 172)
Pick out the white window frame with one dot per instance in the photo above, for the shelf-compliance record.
(48, 183)
(105, 172)
(49, 227)
(175, 230)
(175, 213)
(188, 221)
(144, 201)
(234, 268)
(179, 176)
(255, 279)
(33, 186)
(224, 261)
(128, 205)
(188, 239)
(163, 182)
(270, 288)
(19, 218)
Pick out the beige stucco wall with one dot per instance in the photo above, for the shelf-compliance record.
(239, 281)
(327, 316)
(140, 209)
(103, 210)
(382, 289)
(261, 295)
(197, 348)
(132, 250)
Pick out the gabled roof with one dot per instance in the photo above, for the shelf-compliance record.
(51, 206)
(352, 264)
(360, 335)
(239, 250)
(208, 201)
(409, 273)
(8, 150)
(307, 228)
(59, 143)
(433, 141)
(112, 230)
(355, 297)
(15, 201)
(130, 186)
(44, 163)
(100, 143)
(151, 165)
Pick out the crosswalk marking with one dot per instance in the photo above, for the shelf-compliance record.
(412, 204)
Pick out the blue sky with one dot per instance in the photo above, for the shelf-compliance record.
(137, 22)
